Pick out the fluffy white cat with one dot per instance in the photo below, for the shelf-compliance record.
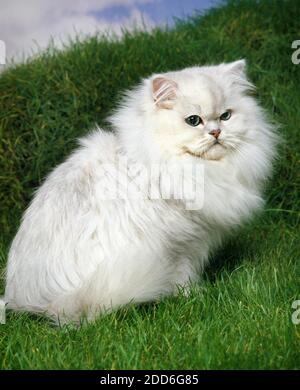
(82, 249)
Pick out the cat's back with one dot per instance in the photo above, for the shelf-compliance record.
(70, 188)
(62, 213)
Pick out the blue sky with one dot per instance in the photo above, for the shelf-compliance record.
(26, 26)
(159, 11)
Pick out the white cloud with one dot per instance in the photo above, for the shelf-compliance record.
(27, 25)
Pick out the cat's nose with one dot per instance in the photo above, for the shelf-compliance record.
(215, 133)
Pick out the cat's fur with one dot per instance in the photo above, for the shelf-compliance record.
(77, 253)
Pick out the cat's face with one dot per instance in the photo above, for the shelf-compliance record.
(202, 111)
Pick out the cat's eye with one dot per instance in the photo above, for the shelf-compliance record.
(226, 115)
(193, 120)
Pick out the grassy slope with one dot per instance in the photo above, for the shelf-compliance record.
(241, 316)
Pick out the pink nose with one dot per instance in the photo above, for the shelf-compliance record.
(215, 133)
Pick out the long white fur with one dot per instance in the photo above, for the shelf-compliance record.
(77, 254)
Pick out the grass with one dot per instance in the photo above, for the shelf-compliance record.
(240, 316)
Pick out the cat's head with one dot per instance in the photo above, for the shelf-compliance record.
(200, 111)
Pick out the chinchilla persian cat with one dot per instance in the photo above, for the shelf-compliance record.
(107, 228)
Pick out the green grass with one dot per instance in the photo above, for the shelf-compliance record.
(240, 316)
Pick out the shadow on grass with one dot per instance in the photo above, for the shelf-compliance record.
(229, 257)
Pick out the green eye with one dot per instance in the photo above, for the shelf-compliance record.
(225, 116)
(193, 120)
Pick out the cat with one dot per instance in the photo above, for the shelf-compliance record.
(83, 250)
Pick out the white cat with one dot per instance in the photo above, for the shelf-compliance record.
(82, 250)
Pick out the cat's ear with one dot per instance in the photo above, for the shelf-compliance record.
(164, 92)
(237, 72)
(237, 68)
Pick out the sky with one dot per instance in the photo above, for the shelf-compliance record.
(27, 25)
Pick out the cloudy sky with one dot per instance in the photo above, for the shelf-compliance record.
(26, 25)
